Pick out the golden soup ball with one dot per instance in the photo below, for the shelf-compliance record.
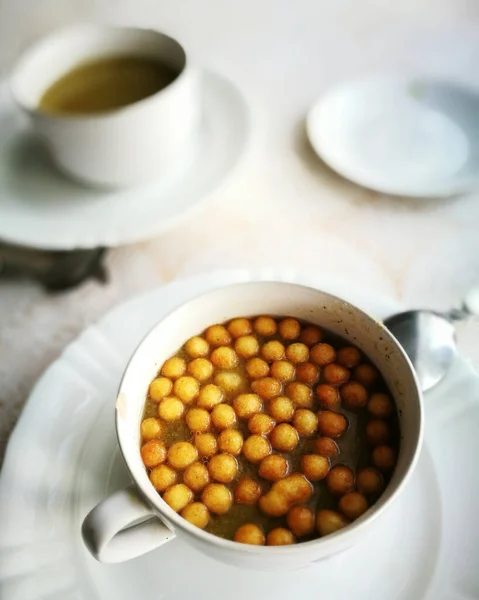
(273, 467)
(297, 353)
(370, 481)
(340, 480)
(247, 346)
(323, 354)
(283, 370)
(305, 422)
(328, 396)
(281, 408)
(200, 368)
(182, 455)
(335, 374)
(247, 491)
(209, 396)
(326, 446)
(366, 374)
(384, 458)
(354, 395)
(162, 477)
(266, 388)
(273, 350)
(186, 388)
(246, 405)
(378, 432)
(159, 388)
(274, 504)
(224, 357)
(174, 367)
(307, 372)
(380, 405)
(196, 476)
(284, 437)
(300, 520)
(249, 534)
(153, 453)
(331, 424)
(280, 537)
(223, 416)
(178, 496)
(218, 335)
(171, 409)
(315, 466)
(150, 428)
(349, 357)
(230, 441)
(198, 419)
(353, 505)
(256, 368)
(206, 444)
(197, 514)
(229, 381)
(289, 328)
(300, 394)
(261, 424)
(223, 468)
(295, 488)
(265, 326)
(217, 498)
(240, 327)
(255, 448)
(329, 521)
(197, 347)
(311, 335)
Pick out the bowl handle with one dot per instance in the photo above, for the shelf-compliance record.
(123, 527)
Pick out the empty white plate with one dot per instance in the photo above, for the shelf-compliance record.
(409, 136)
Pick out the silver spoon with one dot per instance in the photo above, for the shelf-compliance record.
(428, 338)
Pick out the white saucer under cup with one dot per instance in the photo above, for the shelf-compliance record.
(407, 136)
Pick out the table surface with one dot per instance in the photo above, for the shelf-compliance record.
(281, 206)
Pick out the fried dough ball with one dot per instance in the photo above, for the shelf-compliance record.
(354, 395)
(325, 446)
(218, 335)
(380, 405)
(171, 409)
(187, 388)
(197, 514)
(323, 354)
(366, 374)
(331, 424)
(240, 327)
(294, 488)
(289, 328)
(197, 347)
(173, 367)
(328, 396)
(230, 441)
(150, 428)
(229, 381)
(255, 448)
(349, 357)
(353, 505)
(224, 357)
(153, 453)
(217, 498)
(198, 419)
(307, 372)
(280, 537)
(300, 394)
(273, 350)
(206, 445)
(261, 424)
(281, 408)
(284, 437)
(274, 504)
(311, 335)
(370, 481)
(223, 467)
(200, 368)
(305, 422)
(223, 416)
(273, 467)
(247, 346)
(209, 397)
(182, 455)
(297, 353)
(315, 466)
(378, 432)
(266, 388)
(196, 476)
(162, 477)
(247, 491)
(340, 480)
(249, 534)
(282, 370)
(384, 458)
(329, 521)
(178, 496)
(256, 368)
(159, 388)
(246, 405)
(335, 374)
(300, 520)
(265, 326)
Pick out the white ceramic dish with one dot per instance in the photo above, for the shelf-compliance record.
(120, 147)
(66, 431)
(42, 209)
(104, 528)
(408, 136)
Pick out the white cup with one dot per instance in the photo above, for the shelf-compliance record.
(105, 529)
(125, 146)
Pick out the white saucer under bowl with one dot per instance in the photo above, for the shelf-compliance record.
(408, 136)
(63, 458)
(41, 208)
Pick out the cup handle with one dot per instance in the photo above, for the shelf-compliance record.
(123, 527)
